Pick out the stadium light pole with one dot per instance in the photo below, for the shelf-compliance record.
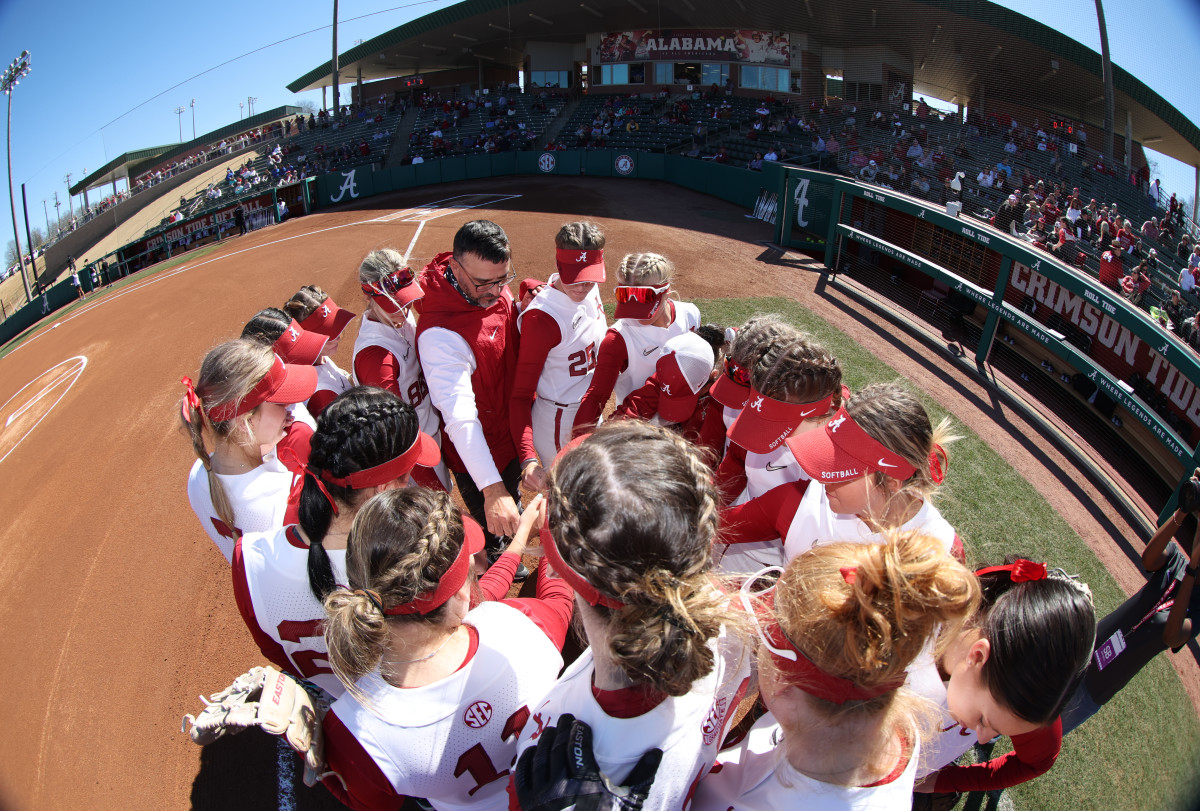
(70, 197)
(241, 104)
(46, 211)
(250, 104)
(12, 77)
(1106, 73)
(179, 111)
(193, 106)
(336, 105)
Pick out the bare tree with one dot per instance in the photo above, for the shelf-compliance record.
(308, 107)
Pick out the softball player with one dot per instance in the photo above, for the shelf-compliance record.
(646, 318)
(632, 512)
(1011, 672)
(385, 352)
(561, 330)
(842, 730)
(874, 466)
(241, 397)
(436, 692)
(795, 386)
(295, 344)
(316, 312)
(732, 387)
(366, 442)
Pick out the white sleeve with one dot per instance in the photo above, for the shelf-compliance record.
(448, 363)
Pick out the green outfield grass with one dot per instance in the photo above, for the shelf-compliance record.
(1142, 749)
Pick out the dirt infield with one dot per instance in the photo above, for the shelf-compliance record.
(117, 608)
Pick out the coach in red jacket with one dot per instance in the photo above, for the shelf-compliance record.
(467, 342)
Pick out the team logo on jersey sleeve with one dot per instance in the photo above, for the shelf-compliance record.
(477, 715)
(713, 723)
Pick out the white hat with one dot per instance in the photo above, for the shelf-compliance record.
(872, 163)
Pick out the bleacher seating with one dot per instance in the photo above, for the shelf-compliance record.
(470, 123)
(968, 149)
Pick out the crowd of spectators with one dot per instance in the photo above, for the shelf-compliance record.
(477, 123)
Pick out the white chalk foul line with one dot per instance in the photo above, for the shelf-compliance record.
(72, 375)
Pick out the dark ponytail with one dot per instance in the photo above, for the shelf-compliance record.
(364, 427)
(267, 326)
(1041, 634)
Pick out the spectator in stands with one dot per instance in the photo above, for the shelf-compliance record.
(722, 156)
(1176, 312)
(1003, 166)
(1135, 285)
(1010, 146)
(771, 155)
(869, 172)
(756, 162)
(986, 180)
(920, 184)
(1111, 268)
(1150, 229)
(1187, 279)
(914, 152)
(1184, 247)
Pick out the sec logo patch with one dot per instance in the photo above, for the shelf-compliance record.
(547, 162)
(478, 714)
(623, 164)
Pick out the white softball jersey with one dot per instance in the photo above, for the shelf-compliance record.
(258, 498)
(452, 742)
(755, 776)
(764, 471)
(950, 740)
(815, 522)
(643, 345)
(689, 729)
(402, 343)
(270, 584)
(570, 364)
(331, 378)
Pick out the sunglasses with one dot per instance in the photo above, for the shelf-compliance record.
(758, 588)
(640, 295)
(736, 373)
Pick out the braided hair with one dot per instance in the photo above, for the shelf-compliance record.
(402, 544)
(364, 427)
(267, 326)
(634, 512)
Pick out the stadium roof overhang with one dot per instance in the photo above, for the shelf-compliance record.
(135, 162)
(971, 51)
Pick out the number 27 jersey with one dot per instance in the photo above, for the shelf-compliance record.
(453, 741)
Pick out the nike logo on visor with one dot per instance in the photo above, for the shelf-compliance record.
(882, 463)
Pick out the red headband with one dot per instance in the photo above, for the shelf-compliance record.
(305, 470)
(451, 581)
(802, 673)
(1020, 570)
(271, 381)
(419, 452)
(573, 579)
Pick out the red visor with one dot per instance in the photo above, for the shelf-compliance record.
(576, 265)
(284, 383)
(298, 345)
(765, 422)
(424, 451)
(640, 302)
(396, 290)
(329, 319)
(451, 581)
(573, 579)
(844, 451)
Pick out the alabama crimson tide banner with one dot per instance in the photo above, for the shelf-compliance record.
(705, 44)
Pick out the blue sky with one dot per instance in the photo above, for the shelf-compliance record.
(104, 75)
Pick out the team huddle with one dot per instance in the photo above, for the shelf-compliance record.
(773, 609)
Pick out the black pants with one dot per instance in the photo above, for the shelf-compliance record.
(473, 498)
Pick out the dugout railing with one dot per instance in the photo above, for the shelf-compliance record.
(1002, 288)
